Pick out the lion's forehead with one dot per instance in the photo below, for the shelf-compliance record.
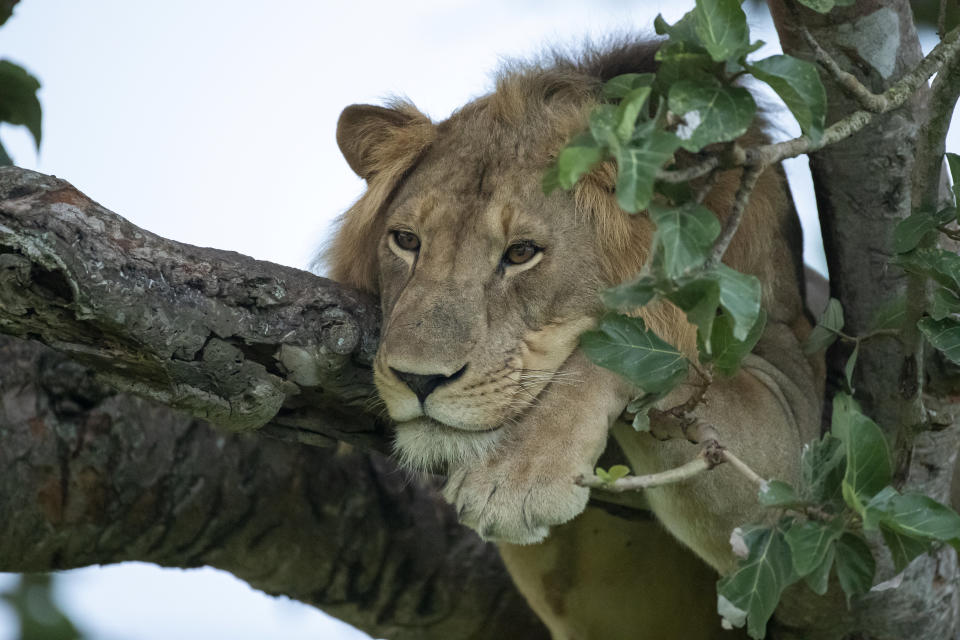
(472, 203)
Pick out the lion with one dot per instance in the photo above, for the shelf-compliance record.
(486, 285)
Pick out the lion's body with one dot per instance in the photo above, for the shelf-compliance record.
(479, 364)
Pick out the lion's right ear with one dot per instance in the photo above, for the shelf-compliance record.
(382, 140)
(380, 144)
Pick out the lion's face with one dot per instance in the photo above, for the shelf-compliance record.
(485, 285)
(485, 282)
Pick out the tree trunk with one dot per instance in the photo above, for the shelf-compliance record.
(864, 186)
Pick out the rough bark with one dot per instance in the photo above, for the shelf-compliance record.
(236, 341)
(92, 476)
(864, 187)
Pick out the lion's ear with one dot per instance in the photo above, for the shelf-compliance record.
(382, 140)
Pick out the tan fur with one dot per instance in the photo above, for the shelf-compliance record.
(521, 412)
(594, 595)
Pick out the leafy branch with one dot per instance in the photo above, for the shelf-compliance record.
(685, 123)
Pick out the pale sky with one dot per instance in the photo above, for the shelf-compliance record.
(212, 122)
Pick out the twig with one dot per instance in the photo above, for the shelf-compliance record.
(953, 234)
(942, 19)
(945, 52)
(712, 455)
(867, 336)
(747, 183)
(849, 82)
(690, 173)
(704, 189)
(742, 467)
(634, 483)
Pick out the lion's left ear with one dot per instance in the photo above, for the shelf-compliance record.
(377, 140)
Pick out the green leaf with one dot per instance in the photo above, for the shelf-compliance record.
(825, 333)
(678, 63)
(944, 335)
(903, 549)
(612, 474)
(618, 471)
(878, 508)
(944, 303)
(889, 314)
(624, 344)
(603, 125)
(756, 585)
(778, 494)
(5, 159)
(819, 579)
(911, 230)
(630, 296)
(953, 160)
(868, 458)
(809, 543)
(946, 215)
(942, 266)
(640, 407)
(619, 86)
(851, 365)
(712, 112)
(18, 99)
(629, 108)
(797, 82)
(740, 298)
(6, 9)
(822, 467)
(699, 298)
(919, 516)
(821, 6)
(855, 565)
(686, 234)
(577, 158)
(726, 351)
(637, 166)
(683, 31)
(721, 25)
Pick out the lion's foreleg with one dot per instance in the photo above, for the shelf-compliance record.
(763, 414)
(528, 483)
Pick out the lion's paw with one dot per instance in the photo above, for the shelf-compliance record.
(504, 505)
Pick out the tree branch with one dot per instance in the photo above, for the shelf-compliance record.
(747, 182)
(945, 53)
(241, 343)
(91, 476)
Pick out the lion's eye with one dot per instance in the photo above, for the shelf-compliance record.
(520, 252)
(406, 240)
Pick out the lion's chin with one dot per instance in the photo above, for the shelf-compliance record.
(426, 445)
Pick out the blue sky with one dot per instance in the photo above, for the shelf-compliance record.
(212, 122)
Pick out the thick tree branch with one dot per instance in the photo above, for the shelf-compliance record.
(90, 476)
(236, 341)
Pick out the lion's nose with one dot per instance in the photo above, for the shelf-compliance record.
(425, 384)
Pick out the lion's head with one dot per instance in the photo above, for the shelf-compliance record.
(486, 283)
